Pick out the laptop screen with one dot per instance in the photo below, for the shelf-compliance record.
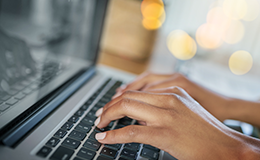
(43, 44)
(50, 26)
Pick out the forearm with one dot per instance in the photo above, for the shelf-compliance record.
(250, 147)
(245, 111)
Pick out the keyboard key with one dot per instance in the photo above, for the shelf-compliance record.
(84, 107)
(73, 119)
(108, 152)
(107, 96)
(89, 102)
(151, 147)
(67, 126)
(114, 146)
(3, 107)
(60, 133)
(100, 104)
(62, 153)
(79, 113)
(77, 135)
(86, 153)
(19, 96)
(91, 114)
(132, 146)
(128, 154)
(88, 120)
(92, 135)
(104, 100)
(95, 108)
(44, 151)
(71, 143)
(94, 145)
(150, 154)
(11, 101)
(83, 127)
(53, 142)
(104, 158)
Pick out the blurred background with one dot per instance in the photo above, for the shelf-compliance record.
(214, 42)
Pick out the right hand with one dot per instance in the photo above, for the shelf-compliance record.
(174, 122)
(216, 104)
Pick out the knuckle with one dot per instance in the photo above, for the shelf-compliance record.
(132, 131)
(127, 93)
(124, 103)
(172, 98)
(176, 89)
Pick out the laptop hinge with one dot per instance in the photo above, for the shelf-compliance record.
(16, 135)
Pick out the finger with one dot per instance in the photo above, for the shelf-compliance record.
(143, 80)
(172, 89)
(132, 133)
(146, 97)
(176, 79)
(131, 108)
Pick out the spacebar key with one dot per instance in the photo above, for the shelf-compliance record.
(62, 153)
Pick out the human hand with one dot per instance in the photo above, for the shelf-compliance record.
(172, 121)
(216, 104)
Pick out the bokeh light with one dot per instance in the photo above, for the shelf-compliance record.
(181, 45)
(209, 36)
(151, 23)
(153, 14)
(252, 11)
(217, 17)
(152, 9)
(240, 62)
(234, 33)
(235, 9)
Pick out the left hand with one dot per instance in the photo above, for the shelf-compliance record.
(172, 121)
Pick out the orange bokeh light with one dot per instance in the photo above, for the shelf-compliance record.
(153, 14)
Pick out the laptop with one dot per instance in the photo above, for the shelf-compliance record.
(51, 85)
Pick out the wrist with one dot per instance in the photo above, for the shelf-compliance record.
(235, 109)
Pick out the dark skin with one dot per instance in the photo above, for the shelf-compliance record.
(179, 115)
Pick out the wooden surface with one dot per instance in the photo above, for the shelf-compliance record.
(115, 61)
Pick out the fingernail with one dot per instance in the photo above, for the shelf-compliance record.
(123, 87)
(116, 95)
(99, 112)
(97, 121)
(100, 136)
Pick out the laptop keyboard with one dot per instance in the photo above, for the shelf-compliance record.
(75, 139)
(24, 87)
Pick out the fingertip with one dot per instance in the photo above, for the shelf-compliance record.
(97, 121)
(99, 112)
(100, 136)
